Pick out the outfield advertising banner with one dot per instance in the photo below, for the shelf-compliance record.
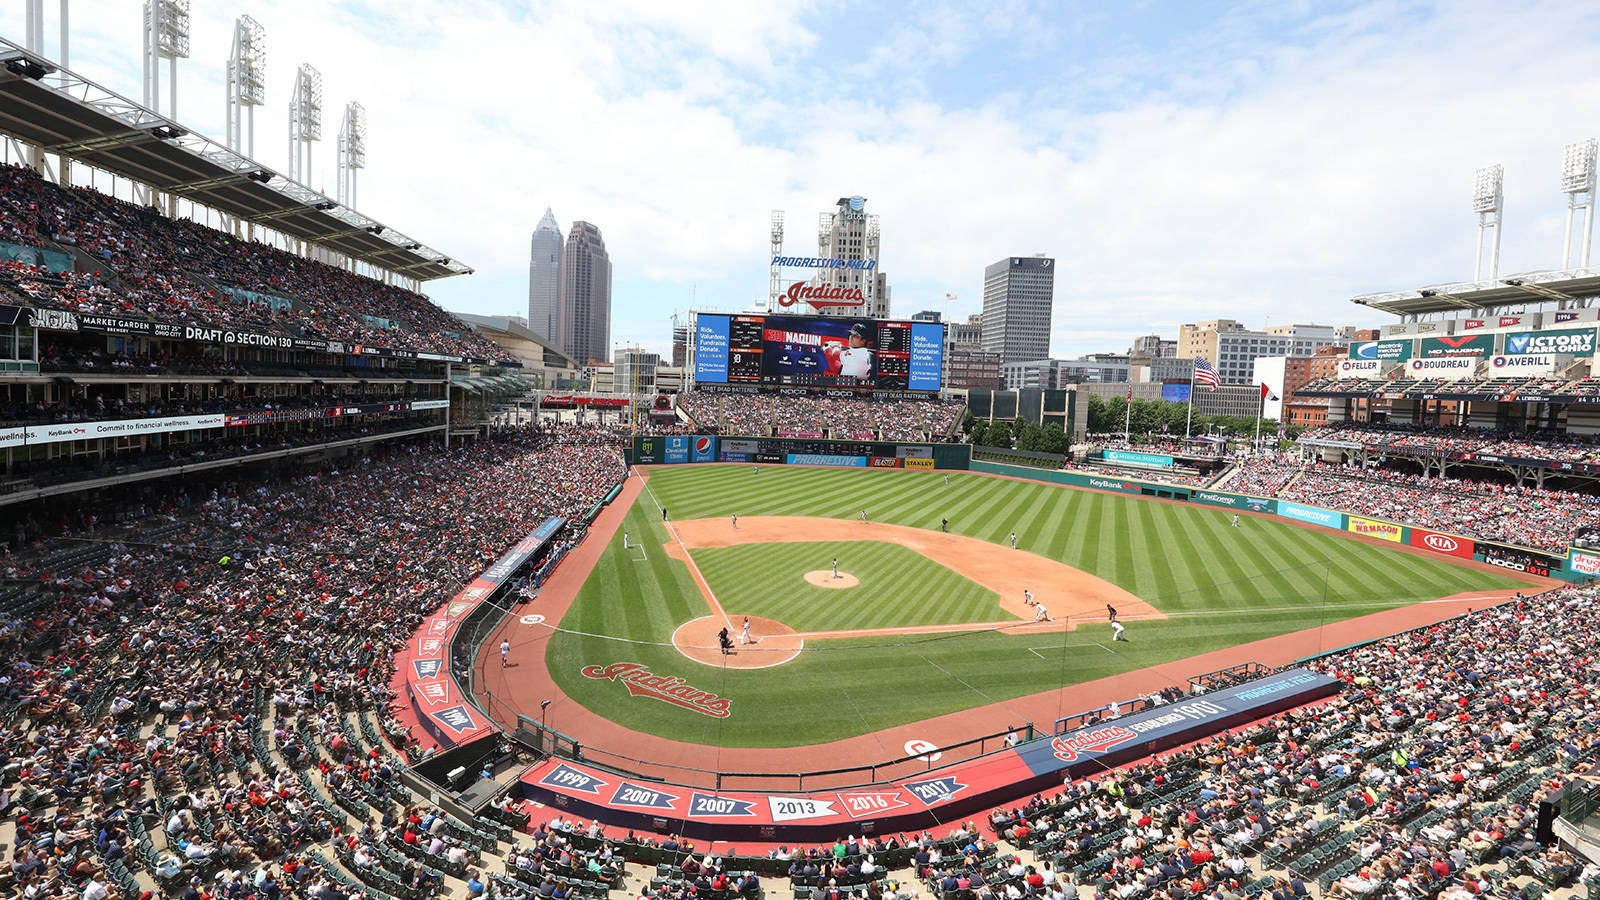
(1439, 542)
(677, 449)
(885, 462)
(1583, 563)
(1576, 341)
(1312, 514)
(1462, 345)
(911, 462)
(1234, 501)
(1517, 559)
(826, 459)
(703, 449)
(1373, 528)
(1389, 350)
(1146, 459)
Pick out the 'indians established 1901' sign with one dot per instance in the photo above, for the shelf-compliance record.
(640, 683)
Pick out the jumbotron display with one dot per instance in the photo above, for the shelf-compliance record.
(796, 351)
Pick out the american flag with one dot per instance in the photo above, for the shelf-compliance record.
(1205, 373)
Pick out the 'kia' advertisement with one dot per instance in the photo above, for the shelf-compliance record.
(1441, 543)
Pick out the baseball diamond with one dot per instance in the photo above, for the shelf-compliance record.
(938, 624)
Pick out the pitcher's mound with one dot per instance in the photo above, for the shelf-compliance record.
(775, 642)
(824, 578)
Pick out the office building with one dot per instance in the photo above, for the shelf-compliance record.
(1018, 293)
(544, 279)
(1233, 349)
(849, 235)
(585, 295)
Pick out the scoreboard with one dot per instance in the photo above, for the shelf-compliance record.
(810, 351)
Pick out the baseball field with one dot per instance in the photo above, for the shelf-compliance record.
(931, 622)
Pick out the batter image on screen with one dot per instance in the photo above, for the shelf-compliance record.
(818, 351)
(853, 360)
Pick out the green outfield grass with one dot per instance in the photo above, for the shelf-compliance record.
(1219, 585)
(898, 586)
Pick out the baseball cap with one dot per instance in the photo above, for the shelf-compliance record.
(859, 330)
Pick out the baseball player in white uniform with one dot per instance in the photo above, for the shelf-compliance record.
(744, 636)
(855, 360)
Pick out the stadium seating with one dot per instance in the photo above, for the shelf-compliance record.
(841, 418)
(177, 271)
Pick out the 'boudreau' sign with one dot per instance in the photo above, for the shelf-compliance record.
(640, 683)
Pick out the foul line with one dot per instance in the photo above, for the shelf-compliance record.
(711, 597)
(1035, 650)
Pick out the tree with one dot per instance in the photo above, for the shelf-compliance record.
(1053, 439)
(980, 433)
(966, 422)
(1029, 438)
(999, 434)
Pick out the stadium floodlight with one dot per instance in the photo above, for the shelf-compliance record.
(352, 151)
(1488, 201)
(1577, 182)
(166, 36)
(305, 121)
(247, 83)
(774, 269)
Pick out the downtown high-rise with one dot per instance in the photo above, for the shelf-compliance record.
(544, 280)
(1018, 293)
(585, 307)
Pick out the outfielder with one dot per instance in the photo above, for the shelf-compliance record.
(1236, 521)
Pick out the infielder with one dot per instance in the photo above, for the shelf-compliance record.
(736, 522)
(624, 540)
(944, 525)
(1013, 540)
(1040, 613)
(1027, 596)
(863, 517)
(836, 567)
(1116, 631)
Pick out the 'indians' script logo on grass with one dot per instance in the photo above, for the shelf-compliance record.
(1097, 740)
(640, 683)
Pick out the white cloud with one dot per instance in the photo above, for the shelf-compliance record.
(1267, 162)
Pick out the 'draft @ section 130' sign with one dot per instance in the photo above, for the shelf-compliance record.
(640, 683)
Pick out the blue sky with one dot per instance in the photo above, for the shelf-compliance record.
(1183, 161)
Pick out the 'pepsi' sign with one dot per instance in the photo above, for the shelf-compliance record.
(703, 449)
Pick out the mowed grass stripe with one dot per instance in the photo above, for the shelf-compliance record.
(1183, 559)
(898, 586)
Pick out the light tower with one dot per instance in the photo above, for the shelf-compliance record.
(166, 36)
(34, 25)
(305, 122)
(352, 151)
(1577, 182)
(775, 276)
(247, 83)
(1488, 202)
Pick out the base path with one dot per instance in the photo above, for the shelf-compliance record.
(1069, 594)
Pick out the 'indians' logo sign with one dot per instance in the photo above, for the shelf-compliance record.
(1095, 740)
(822, 296)
(640, 683)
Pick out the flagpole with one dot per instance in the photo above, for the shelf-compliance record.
(1261, 408)
(1189, 418)
(1127, 421)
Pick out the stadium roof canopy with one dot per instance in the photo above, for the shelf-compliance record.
(72, 116)
(1566, 287)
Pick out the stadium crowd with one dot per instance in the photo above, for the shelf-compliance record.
(204, 704)
(1539, 518)
(842, 418)
(178, 271)
(1554, 446)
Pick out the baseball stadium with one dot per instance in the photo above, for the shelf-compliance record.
(316, 590)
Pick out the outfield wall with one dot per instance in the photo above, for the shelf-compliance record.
(1575, 566)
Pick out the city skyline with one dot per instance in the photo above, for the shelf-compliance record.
(1182, 161)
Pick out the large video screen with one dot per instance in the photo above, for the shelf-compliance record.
(809, 351)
